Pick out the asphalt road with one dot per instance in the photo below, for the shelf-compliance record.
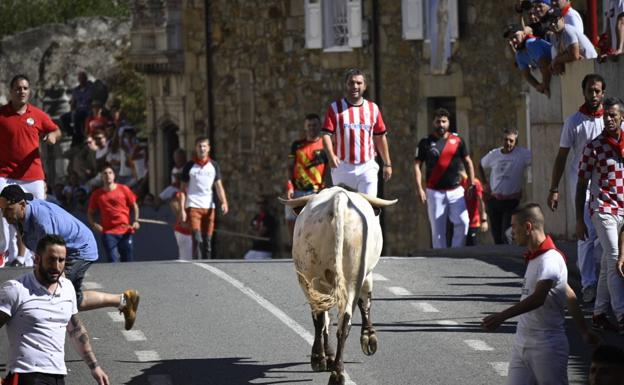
(236, 322)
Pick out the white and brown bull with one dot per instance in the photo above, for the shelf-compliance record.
(337, 243)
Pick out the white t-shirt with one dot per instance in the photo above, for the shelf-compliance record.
(578, 129)
(506, 170)
(574, 19)
(570, 35)
(200, 181)
(38, 323)
(614, 8)
(548, 319)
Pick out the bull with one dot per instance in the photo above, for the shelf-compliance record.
(337, 243)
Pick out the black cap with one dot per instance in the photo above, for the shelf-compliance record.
(13, 194)
(553, 14)
(510, 29)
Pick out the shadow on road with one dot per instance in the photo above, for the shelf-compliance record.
(216, 371)
(498, 298)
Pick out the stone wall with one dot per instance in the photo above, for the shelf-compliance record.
(266, 80)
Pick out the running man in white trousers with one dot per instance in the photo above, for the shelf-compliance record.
(444, 155)
(352, 130)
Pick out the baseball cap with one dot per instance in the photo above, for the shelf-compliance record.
(552, 14)
(13, 194)
(510, 29)
(547, 2)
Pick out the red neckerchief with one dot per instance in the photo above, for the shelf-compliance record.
(594, 114)
(548, 244)
(259, 220)
(566, 9)
(201, 162)
(616, 145)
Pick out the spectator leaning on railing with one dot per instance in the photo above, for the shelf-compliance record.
(568, 43)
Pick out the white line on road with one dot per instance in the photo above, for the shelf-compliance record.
(379, 277)
(147, 355)
(116, 316)
(478, 345)
(397, 290)
(501, 368)
(91, 285)
(425, 307)
(291, 323)
(446, 322)
(133, 335)
(159, 379)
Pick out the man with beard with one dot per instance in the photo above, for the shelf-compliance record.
(503, 189)
(36, 217)
(531, 53)
(38, 307)
(603, 163)
(578, 129)
(444, 153)
(540, 351)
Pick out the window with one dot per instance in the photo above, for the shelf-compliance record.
(421, 18)
(333, 25)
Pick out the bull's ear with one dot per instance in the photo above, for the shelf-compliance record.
(377, 210)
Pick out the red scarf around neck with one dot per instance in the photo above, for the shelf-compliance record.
(548, 244)
(594, 114)
(616, 145)
(201, 162)
(566, 9)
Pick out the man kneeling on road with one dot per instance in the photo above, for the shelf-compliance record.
(540, 351)
(37, 308)
(35, 218)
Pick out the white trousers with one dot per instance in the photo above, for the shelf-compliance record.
(610, 285)
(443, 205)
(8, 240)
(185, 246)
(360, 177)
(588, 253)
(546, 364)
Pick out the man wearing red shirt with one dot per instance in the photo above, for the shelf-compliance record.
(114, 201)
(21, 126)
(357, 128)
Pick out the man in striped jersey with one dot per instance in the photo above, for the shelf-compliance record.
(355, 127)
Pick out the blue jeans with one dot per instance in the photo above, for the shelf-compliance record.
(118, 247)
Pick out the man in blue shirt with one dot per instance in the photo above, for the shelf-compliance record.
(34, 218)
(531, 53)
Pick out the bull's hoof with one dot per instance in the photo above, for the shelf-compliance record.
(318, 363)
(369, 343)
(336, 379)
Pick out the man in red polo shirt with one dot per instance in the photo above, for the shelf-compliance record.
(21, 126)
(114, 202)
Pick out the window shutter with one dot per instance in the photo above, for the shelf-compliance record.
(354, 14)
(412, 12)
(453, 19)
(313, 24)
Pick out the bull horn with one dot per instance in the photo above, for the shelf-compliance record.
(378, 202)
(297, 202)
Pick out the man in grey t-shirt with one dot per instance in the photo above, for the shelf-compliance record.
(568, 43)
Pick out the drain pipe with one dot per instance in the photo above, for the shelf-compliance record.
(209, 78)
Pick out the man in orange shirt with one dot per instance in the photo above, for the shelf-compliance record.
(114, 202)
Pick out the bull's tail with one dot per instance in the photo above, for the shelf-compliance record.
(337, 292)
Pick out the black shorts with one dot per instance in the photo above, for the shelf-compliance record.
(75, 270)
(35, 379)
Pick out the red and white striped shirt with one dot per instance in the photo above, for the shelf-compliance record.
(353, 128)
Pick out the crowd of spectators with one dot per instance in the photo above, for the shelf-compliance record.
(100, 135)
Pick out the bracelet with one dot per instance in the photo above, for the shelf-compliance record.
(554, 190)
(387, 165)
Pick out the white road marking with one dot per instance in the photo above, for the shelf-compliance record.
(133, 335)
(425, 307)
(116, 316)
(91, 285)
(379, 277)
(147, 355)
(279, 314)
(478, 345)
(397, 290)
(403, 257)
(501, 368)
(159, 379)
(446, 322)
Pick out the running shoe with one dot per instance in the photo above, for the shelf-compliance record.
(601, 322)
(130, 309)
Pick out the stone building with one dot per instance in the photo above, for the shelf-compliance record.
(245, 72)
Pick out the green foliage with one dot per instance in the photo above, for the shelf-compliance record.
(129, 89)
(18, 15)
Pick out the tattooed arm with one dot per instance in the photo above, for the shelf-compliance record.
(80, 341)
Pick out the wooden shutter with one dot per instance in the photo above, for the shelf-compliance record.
(413, 26)
(313, 24)
(354, 14)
